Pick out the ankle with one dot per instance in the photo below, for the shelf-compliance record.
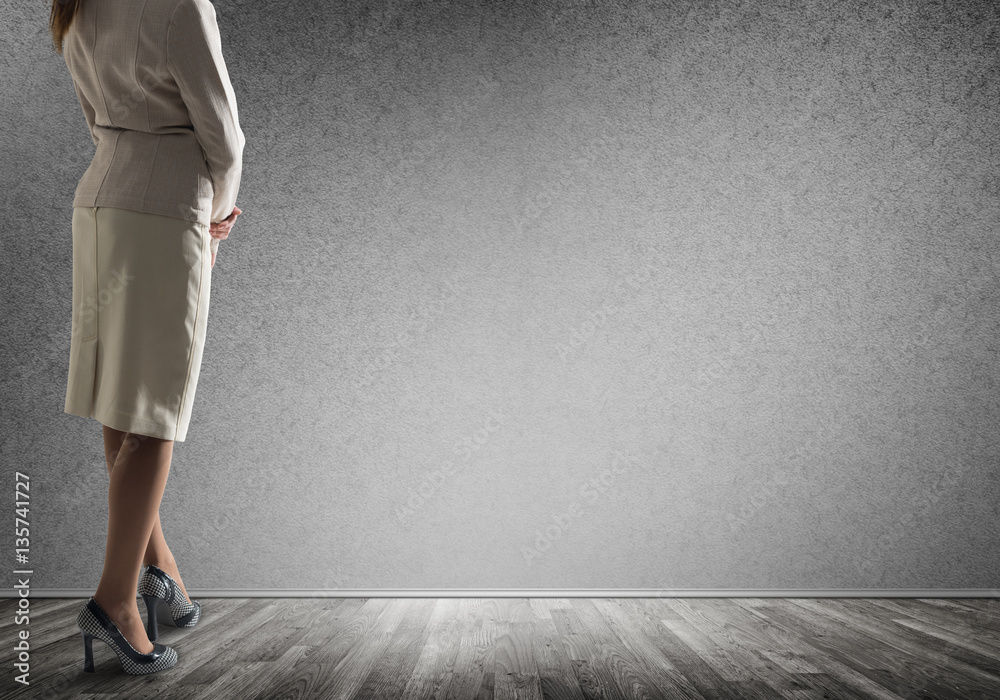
(160, 562)
(120, 611)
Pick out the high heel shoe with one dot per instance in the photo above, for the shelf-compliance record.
(94, 622)
(157, 587)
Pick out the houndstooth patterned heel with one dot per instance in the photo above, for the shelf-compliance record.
(94, 622)
(157, 587)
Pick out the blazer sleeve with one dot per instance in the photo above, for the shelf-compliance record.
(194, 59)
(88, 111)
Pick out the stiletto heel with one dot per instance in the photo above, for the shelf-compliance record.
(88, 652)
(94, 622)
(157, 587)
(152, 603)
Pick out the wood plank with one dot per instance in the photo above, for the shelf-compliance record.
(240, 679)
(962, 623)
(540, 607)
(967, 641)
(905, 639)
(254, 633)
(515, 672)
(391, 672)
(322, 670)
(334, 616)
(859, 682)
(589, 644)
(703, 631)
(683, 656)
(653, 674)
(474, 648)
(959, 619)
(555, 669)
(437, 657)
(898, 672)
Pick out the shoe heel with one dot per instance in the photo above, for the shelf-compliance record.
(179, 611)
(152, 603)
(93, 621)
(88, 652)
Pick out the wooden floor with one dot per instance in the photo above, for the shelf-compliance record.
(358, 648)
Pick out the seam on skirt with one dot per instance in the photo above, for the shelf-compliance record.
(97, 280)
(194, 339)
(97, 296)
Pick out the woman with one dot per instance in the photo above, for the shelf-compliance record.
(148, 215)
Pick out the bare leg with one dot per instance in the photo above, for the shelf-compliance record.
(157, 551)
(137, 480)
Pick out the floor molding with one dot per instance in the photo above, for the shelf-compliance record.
(552, 593)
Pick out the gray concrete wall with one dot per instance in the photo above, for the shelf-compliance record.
(557, 294)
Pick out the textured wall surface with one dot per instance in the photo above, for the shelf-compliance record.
(556, 294)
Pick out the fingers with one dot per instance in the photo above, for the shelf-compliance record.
(222, 228)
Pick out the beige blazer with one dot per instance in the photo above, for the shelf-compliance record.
(161, 110)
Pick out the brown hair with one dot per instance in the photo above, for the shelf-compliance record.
(62, 15)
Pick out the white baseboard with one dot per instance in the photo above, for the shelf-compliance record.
(552, 593)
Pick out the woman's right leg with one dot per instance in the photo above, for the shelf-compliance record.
(157, 551)
(135, 489)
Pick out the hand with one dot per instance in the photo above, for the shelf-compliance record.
(222, 228)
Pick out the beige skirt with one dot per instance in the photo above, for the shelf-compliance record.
(141, 287)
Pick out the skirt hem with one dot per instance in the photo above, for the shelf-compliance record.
(128, 423)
